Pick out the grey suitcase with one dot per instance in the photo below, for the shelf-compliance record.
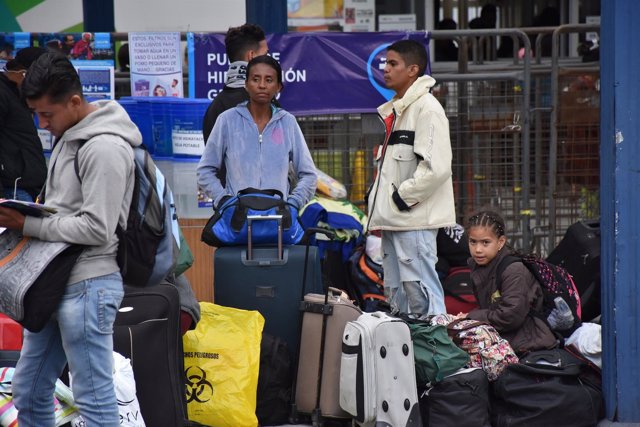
(377, 372)
(318, 379)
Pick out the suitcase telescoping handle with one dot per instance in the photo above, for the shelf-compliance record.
(250, 219)
(293, 416)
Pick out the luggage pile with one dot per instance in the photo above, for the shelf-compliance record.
(466, 376)
(331, 354)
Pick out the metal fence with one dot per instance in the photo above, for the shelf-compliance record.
(524, 133)
(525, 139)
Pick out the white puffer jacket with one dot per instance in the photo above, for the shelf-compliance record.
(416, 162)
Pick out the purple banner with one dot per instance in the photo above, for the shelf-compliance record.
(323, 73)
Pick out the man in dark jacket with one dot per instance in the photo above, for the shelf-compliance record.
(242, 44)
(23, 168)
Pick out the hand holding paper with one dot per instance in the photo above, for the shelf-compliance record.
(11, 218)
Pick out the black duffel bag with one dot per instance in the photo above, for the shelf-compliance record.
(547, 388)
(460, 400)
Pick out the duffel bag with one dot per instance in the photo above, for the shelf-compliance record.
(229, 226)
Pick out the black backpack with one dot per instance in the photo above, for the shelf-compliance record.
(149, 247)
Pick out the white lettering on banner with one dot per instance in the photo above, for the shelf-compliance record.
(188, 142)
(216, 77)
(275, 55)
(212, 93)
(218, 58)
(212, 76)
(292, 75)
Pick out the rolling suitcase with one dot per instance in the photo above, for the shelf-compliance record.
(377, 372)
(579, 253)
(147, 331)
(267, 279)
(317, 385)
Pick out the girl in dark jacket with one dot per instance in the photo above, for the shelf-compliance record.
(507, 308)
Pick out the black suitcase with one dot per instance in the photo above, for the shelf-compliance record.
(579, 253)
(259, 278)
(147, 331)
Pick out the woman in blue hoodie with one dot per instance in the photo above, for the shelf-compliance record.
(256, 141)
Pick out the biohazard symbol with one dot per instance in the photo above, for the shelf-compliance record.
(198, 388)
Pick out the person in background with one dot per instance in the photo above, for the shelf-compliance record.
(412, 194)
(123, 57)
(67, 46)
(23, 168)
(487, 19)
(54, 44)
(242, 44)
(446, 50)
(453, 249)
(82, 49)
(90, 202)
(6, 52)
(508, 308)
(255, 141)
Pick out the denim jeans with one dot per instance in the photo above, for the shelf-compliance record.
(81, 333)
(19, 194)
(411, 282)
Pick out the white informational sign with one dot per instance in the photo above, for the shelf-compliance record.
(46, 139)
(592, 36)
(187, 142)
(359, 15)
(155, 64)
(404, 22)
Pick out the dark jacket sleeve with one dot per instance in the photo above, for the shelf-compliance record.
(210, 117)
(510, 310)
(228, 98)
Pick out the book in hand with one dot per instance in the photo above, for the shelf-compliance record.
(27, 208)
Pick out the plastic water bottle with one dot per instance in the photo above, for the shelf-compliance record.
(561, 317)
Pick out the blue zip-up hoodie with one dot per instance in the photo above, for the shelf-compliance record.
(257, 160)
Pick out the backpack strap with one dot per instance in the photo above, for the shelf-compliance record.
(76, 162)
(504, 263)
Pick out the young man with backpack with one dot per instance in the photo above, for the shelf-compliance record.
(88, 212)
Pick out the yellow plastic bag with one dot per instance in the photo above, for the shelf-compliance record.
(221, 362)
(330, 186)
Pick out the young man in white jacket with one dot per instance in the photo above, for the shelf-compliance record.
(412, 194)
